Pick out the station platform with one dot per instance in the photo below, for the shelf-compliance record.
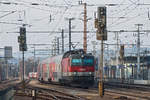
(145, 82)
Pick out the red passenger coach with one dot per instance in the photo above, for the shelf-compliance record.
(33, 75)
(72, 68)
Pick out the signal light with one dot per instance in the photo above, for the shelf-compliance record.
(96, 23)
(22, 39)
(102, 32)
(122, 51)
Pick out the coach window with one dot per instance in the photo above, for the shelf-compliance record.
(76, 62)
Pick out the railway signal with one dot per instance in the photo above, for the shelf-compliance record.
(121, 52)
(100, 24)
(22, 39)
(101, 33)
(22, 47)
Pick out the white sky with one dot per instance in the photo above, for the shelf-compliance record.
(38, 17)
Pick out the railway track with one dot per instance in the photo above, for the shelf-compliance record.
(122, 94)
(129, 86)
(54, 94)
(57, 92)
(8, 81)
(127, 94)
(7, 84)
(45, 93)
(133, 92)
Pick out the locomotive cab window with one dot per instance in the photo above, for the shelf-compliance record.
(76, 62)
(88, 61)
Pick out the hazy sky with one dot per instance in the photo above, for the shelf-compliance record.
(122, 16)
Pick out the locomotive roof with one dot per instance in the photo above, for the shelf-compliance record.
(77, 51)
(65, 55)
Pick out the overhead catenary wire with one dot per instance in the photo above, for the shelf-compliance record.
(7, 14)
(123, 16)
(61, 17)
(134, 2)
(122, 10)
(115, 22)
(59, 20)
(115, 25)
(125, 21)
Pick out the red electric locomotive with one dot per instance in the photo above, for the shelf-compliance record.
(74, 67)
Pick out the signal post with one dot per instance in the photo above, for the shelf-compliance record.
(22, 47)
(101, 34)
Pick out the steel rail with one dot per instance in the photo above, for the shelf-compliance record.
(57, 93)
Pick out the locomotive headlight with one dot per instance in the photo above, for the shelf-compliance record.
(82, 56)
(74, 73)
(90, 73)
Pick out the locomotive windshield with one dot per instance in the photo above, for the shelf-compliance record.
(85, 61)
(88, 62)
(76, 62)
